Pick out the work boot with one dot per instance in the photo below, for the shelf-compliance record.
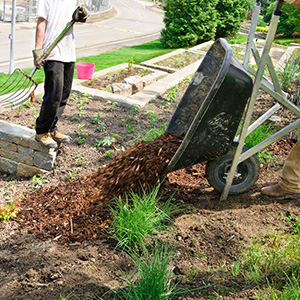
(275, 191)
(60, 137)
(46, 140)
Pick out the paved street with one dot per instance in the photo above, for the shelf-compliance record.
(132, 24)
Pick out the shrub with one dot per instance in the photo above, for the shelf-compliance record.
(289, 24)
(231, 13)
(189, 22)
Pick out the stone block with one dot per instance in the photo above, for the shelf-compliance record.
(8, 146)
(44, 160)
(122, 89)
(24, 170)
(24, 150)
(136, 82)
(8, 166)
(17, 157)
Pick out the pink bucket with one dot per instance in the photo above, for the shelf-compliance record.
(85, 70)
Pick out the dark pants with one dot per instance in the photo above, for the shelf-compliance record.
(58, 84)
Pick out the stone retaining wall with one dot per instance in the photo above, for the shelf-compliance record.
(21, 154)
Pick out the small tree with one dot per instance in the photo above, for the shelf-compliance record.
(231, 13)
(189, 22)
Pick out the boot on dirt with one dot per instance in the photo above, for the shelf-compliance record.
(46, 140)
(275, 191)
(60, 137)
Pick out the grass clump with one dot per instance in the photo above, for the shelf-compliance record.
(153, 277)
(139, 216)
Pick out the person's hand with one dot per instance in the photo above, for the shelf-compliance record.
(37, 55)
(80, 14)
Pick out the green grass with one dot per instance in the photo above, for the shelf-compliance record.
(258, 135)
(284, 41)
(153, 279)
(138, 216)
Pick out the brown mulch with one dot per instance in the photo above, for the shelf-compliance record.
(78, 210)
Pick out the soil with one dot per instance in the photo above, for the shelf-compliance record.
(180, 60)
(105, 82)
(60, 245)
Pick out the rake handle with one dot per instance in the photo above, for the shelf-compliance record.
(54, 43)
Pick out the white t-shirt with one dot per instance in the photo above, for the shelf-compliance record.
(58, 13)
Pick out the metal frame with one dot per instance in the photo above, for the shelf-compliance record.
(271, 87)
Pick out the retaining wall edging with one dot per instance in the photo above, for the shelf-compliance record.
(21, 154)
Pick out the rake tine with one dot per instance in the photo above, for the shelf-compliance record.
(25, 86)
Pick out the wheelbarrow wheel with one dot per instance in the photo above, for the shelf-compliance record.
(246, 174)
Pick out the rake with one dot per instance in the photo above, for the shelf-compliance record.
(20, 87)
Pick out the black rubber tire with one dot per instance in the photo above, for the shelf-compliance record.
(248, 169)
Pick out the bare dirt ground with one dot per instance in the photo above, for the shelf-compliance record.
(208, 237)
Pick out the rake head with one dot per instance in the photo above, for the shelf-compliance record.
(17, 89)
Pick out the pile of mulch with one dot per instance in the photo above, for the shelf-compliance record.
(78, 209)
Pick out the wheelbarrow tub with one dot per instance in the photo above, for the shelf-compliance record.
(211, 109)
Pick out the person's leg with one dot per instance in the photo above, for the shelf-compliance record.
(52, 96)
(68, 73)
(290, 176)
(53, 88)
(289, 183)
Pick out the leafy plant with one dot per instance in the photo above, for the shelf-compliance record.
(36, 182)
(108, 154)
(79, 159)
(96, 118)
(81, 135)
(70, 175)
(9, 210)
(105, 142)
(134, 109)
(111, 105)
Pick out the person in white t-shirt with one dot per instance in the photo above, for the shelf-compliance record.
(52, 18)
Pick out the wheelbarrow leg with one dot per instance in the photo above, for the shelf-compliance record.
(257, 84)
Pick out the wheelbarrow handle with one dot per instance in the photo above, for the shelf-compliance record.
(52, 46)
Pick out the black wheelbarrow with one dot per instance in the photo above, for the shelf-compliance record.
(209, 114)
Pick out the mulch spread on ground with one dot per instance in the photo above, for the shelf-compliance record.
(78, 209)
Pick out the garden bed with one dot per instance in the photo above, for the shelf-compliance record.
(175, 60)
(208, 236)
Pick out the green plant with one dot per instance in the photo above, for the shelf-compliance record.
(275, 254)
(36, 182)
(289, 289)
(134, 109)
(153, 118)
(81, 135)
(107, 141)
(79, 159)
(66, 297)
(153, 277)
(108, 154)
(111, 105)
(96, 118)
(139, 216)
(9, 210)
(130, 64)
(230, 15)
(258, 135)
(152, 133)
(70, 175)
(188, 22)
(289, 19)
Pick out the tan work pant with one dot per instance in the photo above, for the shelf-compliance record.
(290, 176)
